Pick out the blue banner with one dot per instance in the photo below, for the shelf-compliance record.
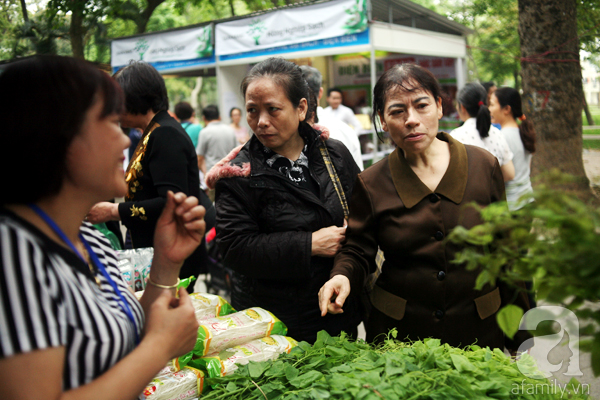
(356, 39)
(163, 66)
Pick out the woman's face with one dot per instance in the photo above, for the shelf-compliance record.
(236, 116)
(271, 115)
(496, 111)
(95, 157)
(412, 119)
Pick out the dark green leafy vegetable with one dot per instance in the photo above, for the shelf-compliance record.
(339, 368)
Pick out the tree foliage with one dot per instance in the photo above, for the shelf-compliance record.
(560, 254)
(494, 48)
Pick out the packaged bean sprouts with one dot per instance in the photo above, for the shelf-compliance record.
(182, 385)
(226, 362)
(141, 259)
(210, 306)
(219, 333)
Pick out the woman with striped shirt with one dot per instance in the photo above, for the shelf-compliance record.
(69, 327)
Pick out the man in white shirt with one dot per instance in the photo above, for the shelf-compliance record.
(216, 141)
(337, 129)
(339, 111)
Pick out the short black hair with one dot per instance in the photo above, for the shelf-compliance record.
(60, 91)
(233, 109)
(144, 88)
(211, 112)
(288, 76)
(473, 97)
(333, 89)
(404, 77)
(313, 77)
(184, 110)
(488, 85)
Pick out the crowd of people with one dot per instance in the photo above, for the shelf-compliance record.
(298, 222)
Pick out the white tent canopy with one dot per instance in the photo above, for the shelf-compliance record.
(380, 32)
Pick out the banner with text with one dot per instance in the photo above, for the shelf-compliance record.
(176, 46)
(296, 25)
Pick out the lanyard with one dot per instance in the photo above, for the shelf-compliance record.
(94, 258)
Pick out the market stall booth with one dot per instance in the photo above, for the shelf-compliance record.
(352, 42)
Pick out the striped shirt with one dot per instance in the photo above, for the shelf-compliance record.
(49, 298)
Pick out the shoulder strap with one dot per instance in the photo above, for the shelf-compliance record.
(334, 177)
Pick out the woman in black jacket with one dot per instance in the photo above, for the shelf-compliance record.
(280, 220)
(164, 160)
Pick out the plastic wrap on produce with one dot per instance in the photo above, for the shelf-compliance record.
(141, 260)
(219, 333)
(182, 385)
(210, 306)
(226, 362)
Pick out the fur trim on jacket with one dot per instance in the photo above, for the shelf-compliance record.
(225, 169)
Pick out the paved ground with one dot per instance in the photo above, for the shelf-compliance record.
(591, 163)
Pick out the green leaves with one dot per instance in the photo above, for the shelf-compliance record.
(337, 368)
(552, 242)
(509, 318)
(306, 379)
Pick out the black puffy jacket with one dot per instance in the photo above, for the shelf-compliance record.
(264, 230)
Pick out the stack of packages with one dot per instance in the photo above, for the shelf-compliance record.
(225, 339)
(135, 266)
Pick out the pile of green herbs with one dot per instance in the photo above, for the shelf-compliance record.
(339, 368)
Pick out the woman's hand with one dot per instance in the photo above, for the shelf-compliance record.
(326, 242)
(103, 212)
(171, 324)
(179, 230)
(333, 294)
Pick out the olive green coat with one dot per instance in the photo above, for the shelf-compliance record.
(420, 291)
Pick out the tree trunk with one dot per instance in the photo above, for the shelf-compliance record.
(195, 93)
(146, 14)
(588, 114)
(552, 90)
(232, 8)
(76, 33)
(517, 80)
(24, 11)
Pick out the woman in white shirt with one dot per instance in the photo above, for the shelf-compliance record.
(505, 108)
(477, 129)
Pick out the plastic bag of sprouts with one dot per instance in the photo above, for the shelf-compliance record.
(226, 362)
(210, 306)
(182, 385)
(219, 333)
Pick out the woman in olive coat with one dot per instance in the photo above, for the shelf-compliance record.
(406, 205)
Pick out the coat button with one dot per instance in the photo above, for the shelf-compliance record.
(433, 198)
(439, 235)
(439, 314)
(441, 276)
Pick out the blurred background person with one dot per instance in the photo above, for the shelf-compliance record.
(67, 318)
(477, 129)
(280, 220)
(187, 117)
(337, 129)
(241, 133)
(506, 110)
(406, 205)
(163, 161)
(490, 87)
(339, 111)
(216, 141)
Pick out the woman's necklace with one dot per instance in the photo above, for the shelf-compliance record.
(86, 258)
